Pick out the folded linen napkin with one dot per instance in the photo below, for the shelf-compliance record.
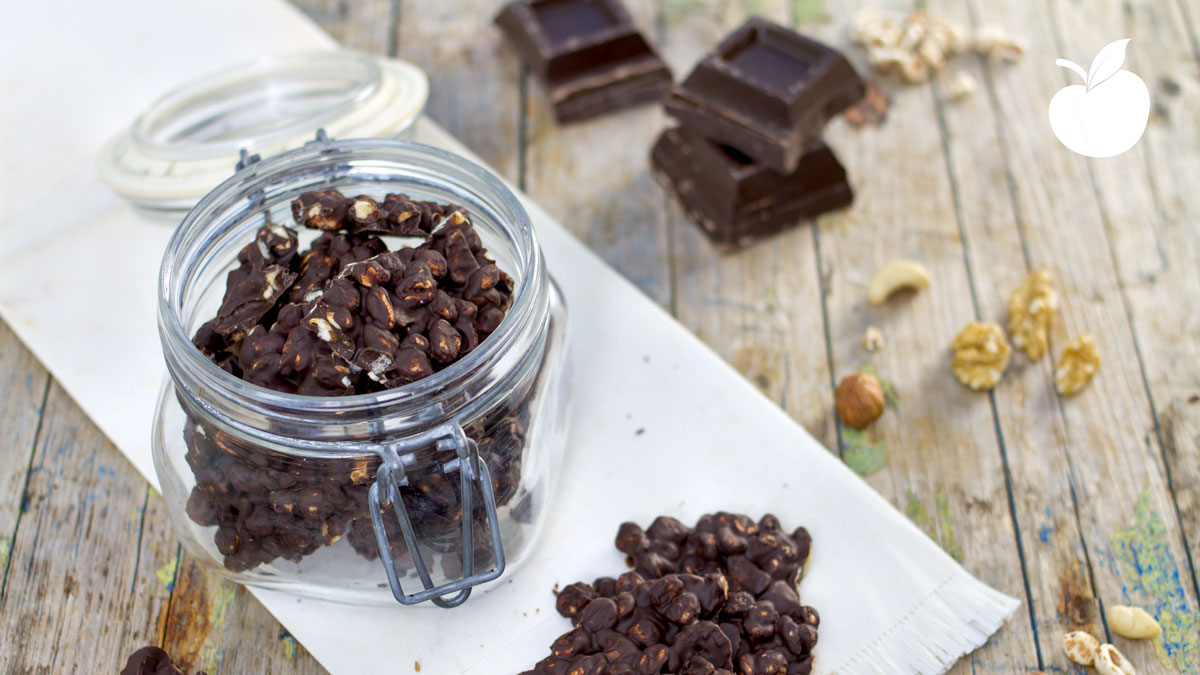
(890, 600)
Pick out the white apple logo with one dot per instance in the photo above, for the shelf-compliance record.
(1105, 116)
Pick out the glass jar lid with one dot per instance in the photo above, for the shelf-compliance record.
(189, 140)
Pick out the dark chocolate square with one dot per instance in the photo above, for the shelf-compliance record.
(737, 201)
(566, 20)
(587, 53)
(767, 91)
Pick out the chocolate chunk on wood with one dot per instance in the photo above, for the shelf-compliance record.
(736, 201)
(151, 661)
(587, 53)
(767, 91)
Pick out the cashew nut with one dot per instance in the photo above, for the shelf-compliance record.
(1132, 622)
(895, 275)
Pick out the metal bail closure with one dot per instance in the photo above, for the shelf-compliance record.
(472, 472)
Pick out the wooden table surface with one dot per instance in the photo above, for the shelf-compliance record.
(1071, 505)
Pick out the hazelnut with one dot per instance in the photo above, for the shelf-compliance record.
(860, 400)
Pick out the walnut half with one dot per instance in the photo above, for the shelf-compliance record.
(1078, 364)
(1030, 309)
(980, 355)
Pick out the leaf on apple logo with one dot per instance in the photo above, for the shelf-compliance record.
(1107, 62)
(1071, 65)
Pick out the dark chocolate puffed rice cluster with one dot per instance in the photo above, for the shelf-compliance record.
(716, 599)
(152, 661)
(348, 316)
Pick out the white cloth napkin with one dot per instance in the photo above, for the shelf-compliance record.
(78, 286)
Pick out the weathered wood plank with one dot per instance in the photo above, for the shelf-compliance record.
(760, 308)
(474, 91)
(216, 625)
(23, 384)
(1190, 9)
(78, 595)
(364, 25)
(945, 466)
(1150, 208)
(594, 176)
(1030, 425)
(1112, 458)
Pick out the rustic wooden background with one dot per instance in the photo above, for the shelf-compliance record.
(1071, 505)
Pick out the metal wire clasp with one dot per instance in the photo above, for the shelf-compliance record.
(472, 471)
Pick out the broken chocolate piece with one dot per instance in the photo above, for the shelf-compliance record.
(251, 293)
(321, 210)
(766, 91)
(587, 53)
(151, 661)
(736, 201)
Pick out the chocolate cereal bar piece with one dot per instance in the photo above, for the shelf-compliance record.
(587, 53)
(736, 201)
(766, 91)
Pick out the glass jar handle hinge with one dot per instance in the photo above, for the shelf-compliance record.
(472, 471)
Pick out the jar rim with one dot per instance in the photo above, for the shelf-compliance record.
(342, 79)
(190, 235)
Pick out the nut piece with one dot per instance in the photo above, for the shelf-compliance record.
(994, 42)
(961, 87)
(1078, 364)
(1081, 647)
(980, 355)
(872, 339)
(922, 43)
(1030, 309)
(1132, 622)
(1109, 661)
(893, 276)
(860, 400)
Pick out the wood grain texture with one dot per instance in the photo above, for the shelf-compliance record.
(363, 25)
(475, 91)
(23, 384)
(216, 625)
(1159, 267)
(945, 464)
(1149, 210)
(74, 601)
(1029, 423)
(1114, 464)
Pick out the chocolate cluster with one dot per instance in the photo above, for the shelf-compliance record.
(152, 661)
(716, 599)
(349, 316)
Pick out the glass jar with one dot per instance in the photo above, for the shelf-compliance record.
(309, 494)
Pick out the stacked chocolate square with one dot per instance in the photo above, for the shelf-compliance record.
(747, 159)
